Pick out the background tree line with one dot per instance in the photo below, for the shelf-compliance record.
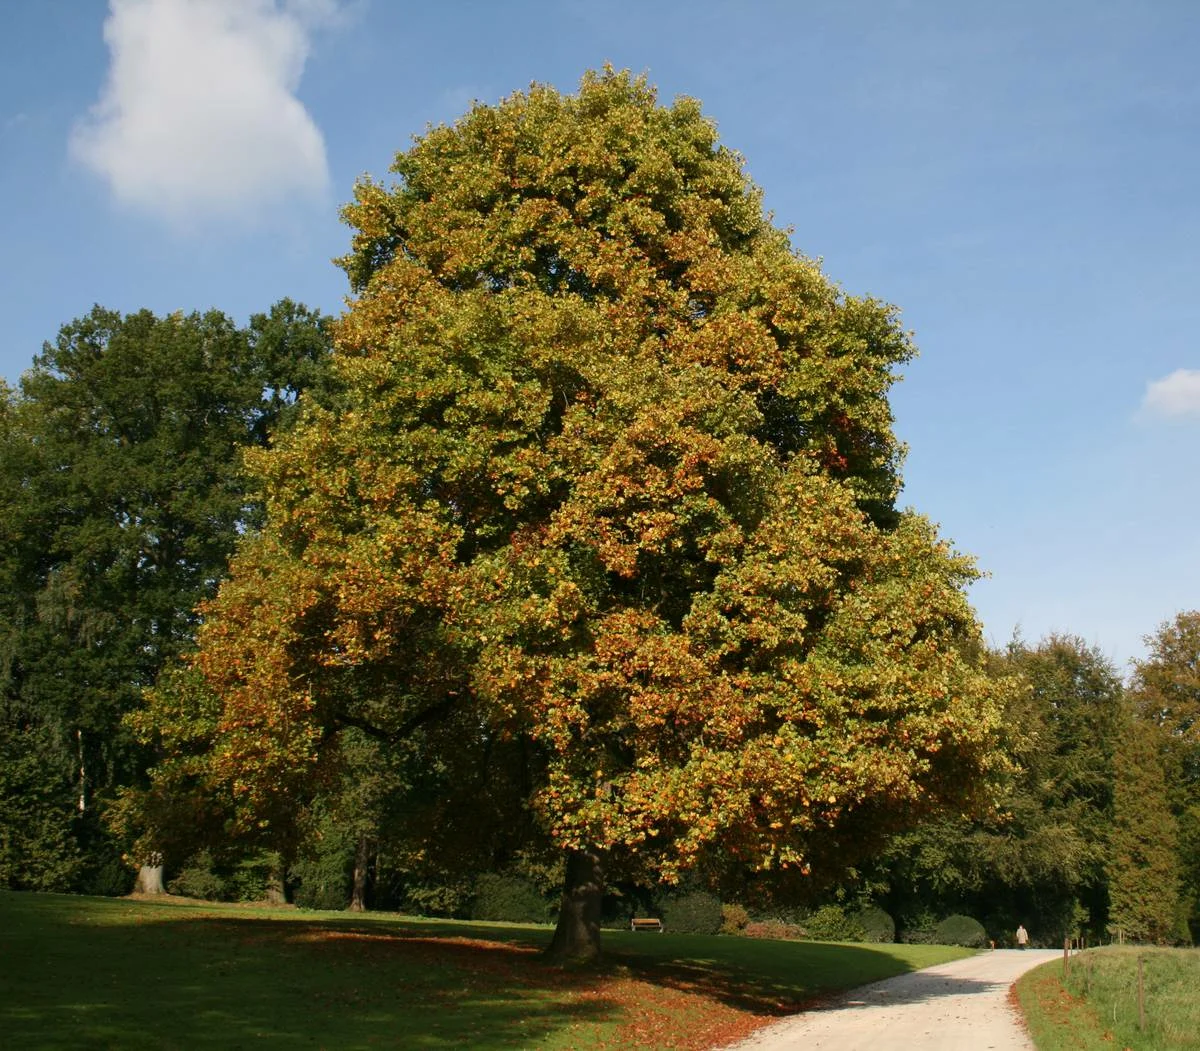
(122, 496)
(577, 567)
(1095, 834)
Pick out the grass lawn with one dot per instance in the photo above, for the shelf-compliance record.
(113, 973)
(1096, 1007)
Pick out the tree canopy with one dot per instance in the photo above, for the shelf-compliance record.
(610, 485)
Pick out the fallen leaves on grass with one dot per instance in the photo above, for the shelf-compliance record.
(1068, 1015)
(661, 1007)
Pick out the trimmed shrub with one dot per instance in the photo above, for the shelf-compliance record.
(734, 919)
(774, 929)
(696, 912)
(830, 923)
(877, 925)
(510, 899)
(961, 930)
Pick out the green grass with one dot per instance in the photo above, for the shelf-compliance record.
(1096, 1007)
(112, 973)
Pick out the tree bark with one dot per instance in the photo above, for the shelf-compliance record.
(577, 936)
(277, 886)
(82, 772)
(362, 869)
(150, 876)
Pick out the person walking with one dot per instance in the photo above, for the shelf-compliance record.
(1022, 936)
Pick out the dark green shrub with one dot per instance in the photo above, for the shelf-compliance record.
(961, 930)
(107, 878)
(696, 912)
(919, 929)
(105, 873)
(37, 849)
(511, 899)
(734, 919)
(199, 879)
(234, 878)
(322, 880)
(452, 899)
(877, 925)
(831, 923)
(251, 877)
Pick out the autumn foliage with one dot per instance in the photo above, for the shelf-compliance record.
(610, 475)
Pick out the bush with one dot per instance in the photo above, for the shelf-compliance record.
(774, 929)
(510, 899)
(245, 878)
(696, 912)
(919, 929)
(961, 930)
(734, 919)
(830, 923)
(322, 880)
(452, 899)
(105, 873)
(37, 850)
(198, 879)
(252, 877)
(877, 925)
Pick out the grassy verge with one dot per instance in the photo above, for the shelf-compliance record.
(104, 973)
(1096, 1007)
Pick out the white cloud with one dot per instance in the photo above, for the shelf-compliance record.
(1175, 395)
(199, 117)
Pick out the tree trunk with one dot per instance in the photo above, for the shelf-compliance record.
(277, 886)
(362, 868)
(577, 936)
(150, 876)
(82, 772)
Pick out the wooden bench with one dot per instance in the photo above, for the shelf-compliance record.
(646, 925)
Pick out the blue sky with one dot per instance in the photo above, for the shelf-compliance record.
(1019, 178)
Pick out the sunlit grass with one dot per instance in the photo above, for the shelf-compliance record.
(1097, 1004)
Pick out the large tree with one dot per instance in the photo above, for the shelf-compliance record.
(611, 488)
(1143, 860)
(123, 494)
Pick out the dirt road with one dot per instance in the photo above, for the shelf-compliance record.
(959, 1006)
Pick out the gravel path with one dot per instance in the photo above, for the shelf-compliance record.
(958, 1006)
